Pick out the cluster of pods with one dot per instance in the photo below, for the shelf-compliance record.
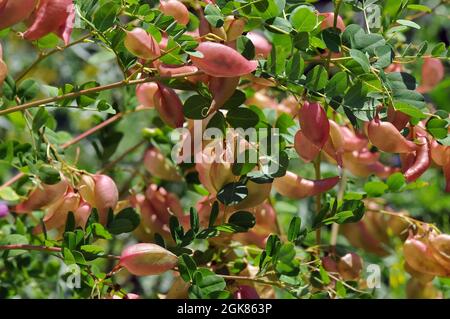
(58, 200)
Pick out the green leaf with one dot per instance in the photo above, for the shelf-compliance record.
(438, 49)
(419, 7)
(356, 96)
(49, 175)
(196, 107)
(232, 194)
(187, 267)
(40, 119)
(361, 58)
(245, 47)
(28, 90)
(92, 252)
(124, 222)
(241, 117)
(105, 15)
(214, 16)
(237, 99)
(409, 110)
(317, 78)
(337, 84)
(214, 213)
(303, 19)
(409, 23)
(207, 281)
(437, 127)
(278, 25)
(294, 228)
(194, 220)
(332, 38)
(375, 188)
(242, 219)
(396, 181)
(8, 194)
(384, 55)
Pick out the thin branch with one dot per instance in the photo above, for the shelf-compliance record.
(97, 89)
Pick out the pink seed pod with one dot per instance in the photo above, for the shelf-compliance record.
(305, 148)
(222, 90)
(3, 67)
(397, 118)
(421, 161)
(296, 187)
(169, 106)
(446, 170)
(147, 259)
(387, 138)
(141, 44)
(65, 30)
(262, 46)
(163, 203)
(440, 246)
(15, 11)
(106, 196)
(352, 142)
(222, 61)
(233, 27)
(44, 195)
(175, 9)
(145, 94)
(159, 166)
(329, 264)
(86, 188)
(439, 152)
(314, 123)
(246, 292)
(171, 70)
(419, 256)
(82, 214)
(432, 73)
(328, 22)
(57, 213)
(350, 266)
(49, 17)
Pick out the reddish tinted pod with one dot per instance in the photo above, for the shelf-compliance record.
(3, 67)
(314, 123)
(57, 213)
(350, 266)
(262, 45)
(328, 21)
(15, 11)
(141, 44)
(222, 61)
(159, 166)
(419, 257)
(421, 162)
(65, 30)
(222, 89)
(246, 292)
(432, 73)
(440, 246)
(438, 152)
(147, 259)
(352, 142)
(145, 94)
(44, 195)
(304, 148)
(387, 138)
(171, 70)
(82, 215)
(175, 9)
(49, 17)
(397, 118)
(296, 187)
(106, 196)
(169, 106)
(446, 169)
(233, 27)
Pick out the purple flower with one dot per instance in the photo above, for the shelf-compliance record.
(4, 210)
